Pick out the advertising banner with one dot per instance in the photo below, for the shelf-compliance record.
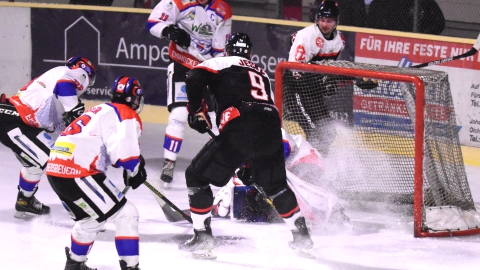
(119, 44)
(463, 76)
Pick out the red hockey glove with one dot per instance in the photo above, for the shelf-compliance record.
(199, 119)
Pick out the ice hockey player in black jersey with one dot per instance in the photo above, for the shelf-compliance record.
(250, 131)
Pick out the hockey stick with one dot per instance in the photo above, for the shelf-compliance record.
(171, 216)
(198, 53)
(470, 52)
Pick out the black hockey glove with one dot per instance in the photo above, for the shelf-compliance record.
(366, 83)
(69, 117)
(245, 174)
(177, 35)
(139, 178)
(329, 85)
(199, 119)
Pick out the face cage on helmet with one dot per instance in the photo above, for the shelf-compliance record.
(137, 103)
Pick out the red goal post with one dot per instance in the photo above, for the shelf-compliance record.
(424, 146)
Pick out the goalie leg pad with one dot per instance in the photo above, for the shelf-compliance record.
(248, 206)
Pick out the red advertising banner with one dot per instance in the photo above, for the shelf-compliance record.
(416, 50)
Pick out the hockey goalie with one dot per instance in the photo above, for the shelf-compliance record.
(241, 200)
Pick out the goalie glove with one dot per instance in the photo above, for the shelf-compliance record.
(177, 35)
(139, 178)
(245, 174)
(199, 119)
(366, 83)
(70, 116)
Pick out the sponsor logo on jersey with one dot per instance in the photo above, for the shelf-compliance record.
(42, 84)
(319, 42)
(78, 85)
(63, 148)
(62, 169)
(191, 15)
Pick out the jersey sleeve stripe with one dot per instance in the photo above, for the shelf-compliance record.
(65, 88)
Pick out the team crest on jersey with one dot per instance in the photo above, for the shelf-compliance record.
(205, 30)
(319, 42)
(300, 53)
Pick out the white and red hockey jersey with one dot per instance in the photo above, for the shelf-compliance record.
(309, 44)
(105, 135)
(44, 99)
(208, 27)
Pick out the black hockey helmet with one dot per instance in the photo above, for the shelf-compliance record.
(85, 64)
(128, 91)
(327, 9)
(239, 44)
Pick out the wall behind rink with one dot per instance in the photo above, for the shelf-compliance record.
(36, 37)
(15, 48)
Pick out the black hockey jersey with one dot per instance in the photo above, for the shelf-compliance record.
(234, 81)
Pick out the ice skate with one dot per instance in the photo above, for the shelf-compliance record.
(201, 244)
(123, 266)
(74, 265)
(25, 206)
(302, 242)
(167, 173)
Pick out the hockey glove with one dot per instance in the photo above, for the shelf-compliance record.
(69, 117)
(245, 174)
(199, 119)
(328, 85)
(177, 35)
(366, 83)
(139, 178)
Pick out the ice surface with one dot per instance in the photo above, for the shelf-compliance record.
(381, 240)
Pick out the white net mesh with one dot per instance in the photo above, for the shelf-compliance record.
(365, 131)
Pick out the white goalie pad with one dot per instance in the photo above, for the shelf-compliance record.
(450, 218)
(315, 202)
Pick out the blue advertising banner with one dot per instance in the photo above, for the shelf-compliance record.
(119, 44)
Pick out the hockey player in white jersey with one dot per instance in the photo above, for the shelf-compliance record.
(321, 40)
(106, 135)
(32, 118)
(197, 30)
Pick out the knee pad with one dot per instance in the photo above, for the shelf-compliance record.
(126, 220)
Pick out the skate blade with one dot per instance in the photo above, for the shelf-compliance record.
(166, 185)
(306, 253)
(24, 215)
(204, 254)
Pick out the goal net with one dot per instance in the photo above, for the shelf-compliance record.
(375, 143)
